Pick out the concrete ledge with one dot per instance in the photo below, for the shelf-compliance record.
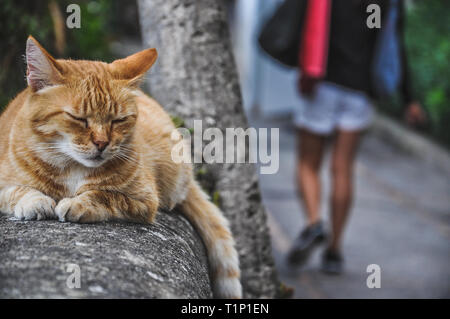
(116, 260)
(411, 142)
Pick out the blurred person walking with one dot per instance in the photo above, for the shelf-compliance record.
(337, 103)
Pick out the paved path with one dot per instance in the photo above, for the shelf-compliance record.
(400, 221)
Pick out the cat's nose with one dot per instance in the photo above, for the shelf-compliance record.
(100, 144)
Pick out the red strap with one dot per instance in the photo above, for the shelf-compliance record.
(314, 46)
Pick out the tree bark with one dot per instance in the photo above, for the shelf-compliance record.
(195, 78)
(116, 260)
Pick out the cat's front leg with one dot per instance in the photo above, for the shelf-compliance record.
(98, 205)
(26, 203)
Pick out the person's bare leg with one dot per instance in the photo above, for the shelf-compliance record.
(308, 177)
(342, 163)
(308, 173)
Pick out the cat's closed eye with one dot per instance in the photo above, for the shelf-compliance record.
(119, 120)
(79, 119)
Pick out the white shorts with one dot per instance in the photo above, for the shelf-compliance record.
(334, 107)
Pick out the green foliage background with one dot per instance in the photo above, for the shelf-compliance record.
(428, 46)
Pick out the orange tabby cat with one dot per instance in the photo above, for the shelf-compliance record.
(83, 144)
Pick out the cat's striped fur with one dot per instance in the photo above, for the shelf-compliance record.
(83, 144)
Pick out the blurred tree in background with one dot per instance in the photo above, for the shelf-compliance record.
(428, 49)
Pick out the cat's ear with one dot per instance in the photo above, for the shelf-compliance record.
(133, 67)
(42, 68)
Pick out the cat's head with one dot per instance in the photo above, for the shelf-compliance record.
(83, 110)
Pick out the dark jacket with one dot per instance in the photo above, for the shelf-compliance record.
(352, 46)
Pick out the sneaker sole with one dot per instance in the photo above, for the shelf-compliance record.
(301, 261)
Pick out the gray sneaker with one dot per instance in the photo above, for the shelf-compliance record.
(332, 262)
(310, 237)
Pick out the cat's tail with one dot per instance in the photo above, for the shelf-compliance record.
(215, 232)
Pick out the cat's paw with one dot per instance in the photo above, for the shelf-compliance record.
(77, 210)
(35, 205)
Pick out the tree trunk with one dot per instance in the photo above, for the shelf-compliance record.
(195, 78)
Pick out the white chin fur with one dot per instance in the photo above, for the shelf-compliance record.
(83, 161)
(90, 163)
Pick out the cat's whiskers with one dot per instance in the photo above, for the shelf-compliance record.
(125, 158)
(52, 153)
